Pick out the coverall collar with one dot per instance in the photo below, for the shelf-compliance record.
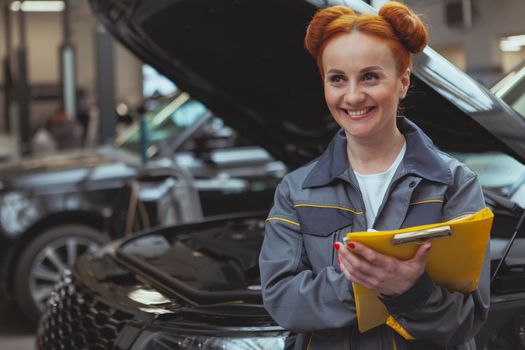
(419, 159)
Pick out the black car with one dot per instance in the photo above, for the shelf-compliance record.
(197, 286)
(55, 208)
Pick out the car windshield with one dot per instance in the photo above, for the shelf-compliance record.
(164, 124)
(512, 89)
(498, 171)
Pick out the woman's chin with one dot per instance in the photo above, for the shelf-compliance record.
(358, 132)
(358, 127)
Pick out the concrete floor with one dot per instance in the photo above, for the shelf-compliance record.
(15, 332)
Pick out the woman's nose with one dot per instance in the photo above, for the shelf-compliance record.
(354, 95)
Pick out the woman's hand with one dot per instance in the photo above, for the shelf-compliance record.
(384, 274)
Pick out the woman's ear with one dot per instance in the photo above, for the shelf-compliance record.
(405, 83)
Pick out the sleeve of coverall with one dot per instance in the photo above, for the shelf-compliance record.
(427, 311)
(295, 297)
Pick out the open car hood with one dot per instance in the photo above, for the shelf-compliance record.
(245, 60)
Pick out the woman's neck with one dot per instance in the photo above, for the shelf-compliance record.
(374, 155)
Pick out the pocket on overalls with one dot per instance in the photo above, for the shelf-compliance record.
(320, 226)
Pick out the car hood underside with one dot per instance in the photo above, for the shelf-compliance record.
(246, 61)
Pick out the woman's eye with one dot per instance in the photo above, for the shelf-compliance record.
(336, 79)
(370, 76)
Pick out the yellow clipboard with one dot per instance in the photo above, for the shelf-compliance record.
(454, 262)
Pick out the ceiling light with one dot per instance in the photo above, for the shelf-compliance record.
(37, 6)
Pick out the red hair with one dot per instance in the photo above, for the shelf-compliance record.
(401, 29)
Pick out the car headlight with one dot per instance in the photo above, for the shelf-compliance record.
(164, 341)
(17, 211)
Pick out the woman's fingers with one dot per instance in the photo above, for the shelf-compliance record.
(373, 257)
(357, 266)
(379, 272)
(351, 277)
(421, 254)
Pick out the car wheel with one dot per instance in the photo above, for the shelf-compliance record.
(43, 261)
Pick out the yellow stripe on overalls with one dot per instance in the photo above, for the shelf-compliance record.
(392, 323)
(427, 201)
(283, 219)
(328, 207)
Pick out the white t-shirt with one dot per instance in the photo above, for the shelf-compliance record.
(373, 187)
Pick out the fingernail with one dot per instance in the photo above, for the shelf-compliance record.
(337, 245)
(351, 245)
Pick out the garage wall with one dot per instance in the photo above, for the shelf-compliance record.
(44, 36)
(128, 74)
(42, 43)
(43, 40)
(492, 20)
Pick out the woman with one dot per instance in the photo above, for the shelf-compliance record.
(379, 172)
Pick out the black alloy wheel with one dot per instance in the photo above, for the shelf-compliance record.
(44, 260)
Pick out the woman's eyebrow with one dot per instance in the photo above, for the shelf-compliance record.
(335, 71)
(364, 70)
(371, 68)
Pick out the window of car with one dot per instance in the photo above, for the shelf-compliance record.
(512, 89)
(516, 97)
(498, 171)
(183, 124)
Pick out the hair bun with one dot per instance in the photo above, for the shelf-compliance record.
(316, 28)
(406, 24)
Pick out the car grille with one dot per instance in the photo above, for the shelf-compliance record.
(75, 320)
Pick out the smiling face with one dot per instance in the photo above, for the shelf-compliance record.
(362, 85)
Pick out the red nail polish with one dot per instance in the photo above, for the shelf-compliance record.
(351, 245)
(337, 245)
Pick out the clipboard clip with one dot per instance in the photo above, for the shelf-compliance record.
(421, 236)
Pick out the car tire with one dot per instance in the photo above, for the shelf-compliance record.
(43, 261)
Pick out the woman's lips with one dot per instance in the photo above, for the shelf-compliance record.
(357, 113)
